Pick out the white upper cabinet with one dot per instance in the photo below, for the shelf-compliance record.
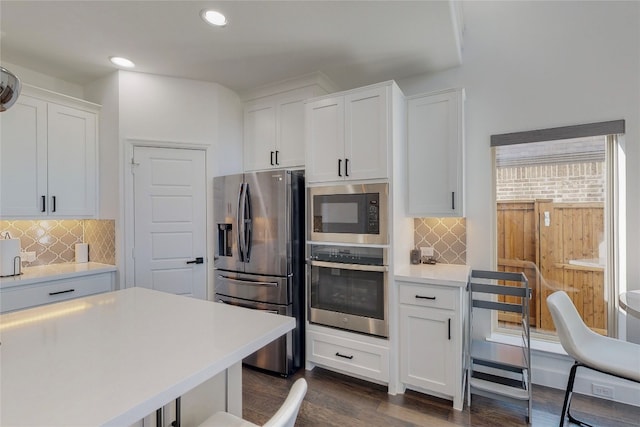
(366, 134)
(259, 136)
(274, 130)
(325, 140)
(348, 135)
(435, 135)
(48, 157)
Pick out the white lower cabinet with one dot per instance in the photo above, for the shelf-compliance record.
(431, 337)
(32, 295)
(352, 354)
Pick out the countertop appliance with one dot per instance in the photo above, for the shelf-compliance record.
(259, 257)
(349, 213)
(9, 256)
(348, 288)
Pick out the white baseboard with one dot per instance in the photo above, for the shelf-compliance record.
(552, 370)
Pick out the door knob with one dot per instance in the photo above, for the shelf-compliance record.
(198, 260)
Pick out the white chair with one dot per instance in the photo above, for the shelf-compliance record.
(589, 349)
(285, 417)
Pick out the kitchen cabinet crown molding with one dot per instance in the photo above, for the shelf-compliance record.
(59, 98)
(317, 78)
(386, 83)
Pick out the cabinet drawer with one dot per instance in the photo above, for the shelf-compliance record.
(54, 291)
(351, 356)
(428, 296)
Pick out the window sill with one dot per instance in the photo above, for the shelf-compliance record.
(536, 344)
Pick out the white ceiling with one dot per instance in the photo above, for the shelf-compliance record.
(352, 42)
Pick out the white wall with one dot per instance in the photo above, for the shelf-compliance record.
(44, 81)
(533, 65)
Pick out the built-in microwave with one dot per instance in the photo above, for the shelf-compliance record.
(349, 213)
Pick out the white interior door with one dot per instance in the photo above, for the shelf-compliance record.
(170, 220)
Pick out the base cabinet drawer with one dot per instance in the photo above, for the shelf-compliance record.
(25, 296)
(428, 296)
(350, 356)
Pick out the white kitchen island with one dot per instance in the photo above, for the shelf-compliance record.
(113, 358)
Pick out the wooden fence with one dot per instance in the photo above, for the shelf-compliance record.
(556, 246)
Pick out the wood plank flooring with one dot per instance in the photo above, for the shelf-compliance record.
(337, 400)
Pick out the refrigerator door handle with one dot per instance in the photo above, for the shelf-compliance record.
(248, 282)
(240, 215)
(248, 226)
(248, 306)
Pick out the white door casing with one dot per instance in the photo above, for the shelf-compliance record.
(169, 204)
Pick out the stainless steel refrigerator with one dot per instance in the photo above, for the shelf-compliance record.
(259, 257)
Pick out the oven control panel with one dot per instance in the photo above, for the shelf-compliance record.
(349, 254)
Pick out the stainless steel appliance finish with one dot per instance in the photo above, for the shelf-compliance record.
(348, 288)
(349, 213)
(260, 254)
(276, 356)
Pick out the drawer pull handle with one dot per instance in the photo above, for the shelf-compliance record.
(342, 355)
(61, 292)
(429, 298)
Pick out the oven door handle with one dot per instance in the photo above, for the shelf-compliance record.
(359, 267)
(249, 282)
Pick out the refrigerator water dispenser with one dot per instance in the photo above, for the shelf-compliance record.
(224, 239)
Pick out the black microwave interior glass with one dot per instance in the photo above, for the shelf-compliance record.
(347, 213)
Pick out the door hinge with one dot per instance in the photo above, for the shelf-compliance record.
(133, 165)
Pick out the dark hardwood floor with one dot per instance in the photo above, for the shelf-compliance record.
(337, 400)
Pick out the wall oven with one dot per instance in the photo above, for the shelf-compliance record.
(347, 288)
(349, 213)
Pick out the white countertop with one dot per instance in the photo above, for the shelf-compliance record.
(437, 274)
(43, 273)
(113, 358)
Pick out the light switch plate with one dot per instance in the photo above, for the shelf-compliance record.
(27, 256)
(426, 251)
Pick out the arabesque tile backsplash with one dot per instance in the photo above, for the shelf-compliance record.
(54, 241)
(447, 237)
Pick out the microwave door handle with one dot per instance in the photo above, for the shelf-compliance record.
(248, 226)
(240, 219)
(359, 267)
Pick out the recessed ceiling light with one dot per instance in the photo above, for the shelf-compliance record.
(121, 62)
(214, 17)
